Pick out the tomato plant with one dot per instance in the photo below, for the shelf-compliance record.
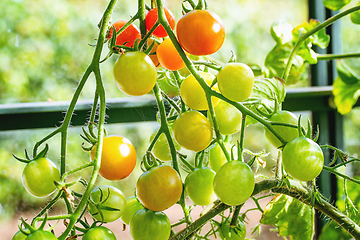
(168, 56)
(236, 81)
(200, 32)
(303, 159)
(118, 157)
(147, 224)
(193, 131)
(152, 17)
(132, 206)
(126, 37)
(199, 186)
(193, 94)
(228, 118)
(161, 148)
(135, 73)
(107, 203)
(39, 175)
(41, 235)
(287, 133)
(230, 187)
(99, 233)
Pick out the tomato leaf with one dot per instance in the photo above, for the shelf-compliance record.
(281, 32)
(335, 5)
(292, 217)
(346, 89)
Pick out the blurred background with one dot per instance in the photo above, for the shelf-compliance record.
(45, 47)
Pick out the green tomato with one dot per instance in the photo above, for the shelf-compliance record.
(228, 118)
(147, 224)
(110, 203)
(199, 186)
(38, 177)
(235, 81)
(132, 206)
(233, 233)
(99, 233)
(217, 157)
(234, 183)
(355, 16)
(19, 236)
(161, 148)
(288, 133)
(41, 235)
(303, 159)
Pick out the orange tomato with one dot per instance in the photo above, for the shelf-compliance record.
(168, 56)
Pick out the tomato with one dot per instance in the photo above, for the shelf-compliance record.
(161, 148)
(168, 86)
(192, 130)
(288, 133)
(106, 197)
(193, 94)
(153, 55)
(147, 224)
(234, 183)
(126, 37)
(152, 17)
(118, 157)
(38, 177)
(159, 188)
(200, 32)
(236, 81)
(132, 206)
(41, 235)
(217, 157)
(168, 56)
(135, 74)
(355, 16)
(303, 159)
(228, 118)
(199, 186)
(99, 233)
(19, 236)
(233, 233)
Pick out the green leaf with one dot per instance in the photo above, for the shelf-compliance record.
(355, 16)
(292, 217)
(346, 88)
(332, 231)
(335, 5)
(281, 32)
(320, 38)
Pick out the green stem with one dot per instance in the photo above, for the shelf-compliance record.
(329, 169)
(242, 136)
(337, 56)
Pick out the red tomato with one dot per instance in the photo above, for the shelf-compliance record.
(200, 32)
(126, 37)
(152, 17)
(168, 56)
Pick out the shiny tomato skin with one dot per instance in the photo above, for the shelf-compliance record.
(288, 133)
(152, 17)
(38, 177)
(193, 94)
(147, 224)
(126, 37)
(236, 81)
(228, 118)
(234, 183)
(41, 235)
(303, 159)
(199, 186)
(217, 157)
(168, 56)
(118, 157)
(99, 233)
(200, 32)
(135, 74)
(132, 206)
(192, 130)
(159, 188)
(107, 196)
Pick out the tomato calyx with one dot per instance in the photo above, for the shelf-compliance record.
(149, 161)
(27, 158)
(30, 228)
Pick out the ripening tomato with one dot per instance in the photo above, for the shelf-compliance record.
(234, 183)
(161, 148)
(152, 17)
(168, 56)
(228, 118)
(236, 81)
(99, 233)
(104, 197)
(303, 159)
(118, 157)
(126, 37)
(153, 54)
(200, 32)
(38, 177)
(217, 157)
(192, 130)
(41, 235)
(199, 186)
(132, 206)
(193, 94)
(135, 74)
(288, 133)
(159, 188)
(147, 224)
